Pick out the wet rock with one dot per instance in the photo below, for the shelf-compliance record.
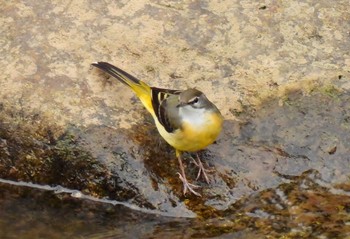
(278, 71)
(269, 146)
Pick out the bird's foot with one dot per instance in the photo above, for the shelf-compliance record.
(202, 171)
(188, 186)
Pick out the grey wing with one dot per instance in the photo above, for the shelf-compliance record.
(164, 105)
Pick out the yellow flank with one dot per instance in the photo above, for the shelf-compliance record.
(191, 138)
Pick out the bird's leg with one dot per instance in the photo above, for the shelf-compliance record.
(182, 176)
(202, 170)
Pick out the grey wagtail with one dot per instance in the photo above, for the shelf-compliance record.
(187, 120)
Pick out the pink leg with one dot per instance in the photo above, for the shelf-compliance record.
(187, 186)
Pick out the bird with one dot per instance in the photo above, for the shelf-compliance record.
(186, 119)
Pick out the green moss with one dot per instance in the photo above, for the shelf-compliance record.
(330, 90)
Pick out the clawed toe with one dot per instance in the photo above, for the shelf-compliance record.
(188, 186)
(202, 171)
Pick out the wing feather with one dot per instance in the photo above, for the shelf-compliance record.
(159, 103)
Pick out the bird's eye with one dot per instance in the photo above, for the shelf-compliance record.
(195, 100)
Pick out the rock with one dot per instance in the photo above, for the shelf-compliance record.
(64, 123)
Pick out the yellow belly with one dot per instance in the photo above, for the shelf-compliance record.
(193, 138)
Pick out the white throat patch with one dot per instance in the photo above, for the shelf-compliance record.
(193, 116)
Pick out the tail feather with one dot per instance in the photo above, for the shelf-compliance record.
(116, 72)
(141, 89)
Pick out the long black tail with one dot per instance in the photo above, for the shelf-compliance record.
(141, 89)
(116, 72)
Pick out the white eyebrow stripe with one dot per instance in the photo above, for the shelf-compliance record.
(193, 99)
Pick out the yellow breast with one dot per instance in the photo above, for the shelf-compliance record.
(193, 137)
